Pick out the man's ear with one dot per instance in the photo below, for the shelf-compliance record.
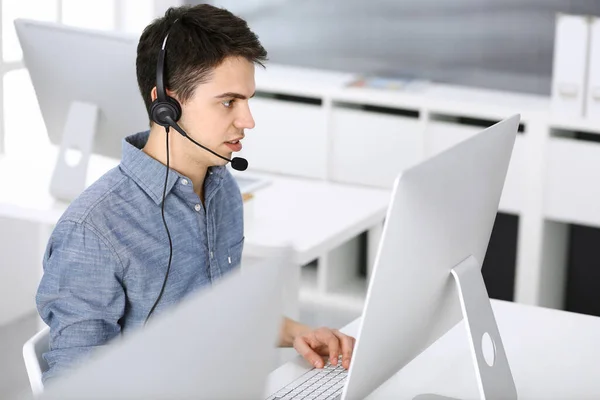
(154, 95)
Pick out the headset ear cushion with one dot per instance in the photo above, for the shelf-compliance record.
(160, 110)
(176, 107)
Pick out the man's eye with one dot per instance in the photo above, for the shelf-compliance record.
(228, 103)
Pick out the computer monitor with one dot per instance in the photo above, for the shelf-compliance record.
(427, 273)
(86, 86)
(218, 343)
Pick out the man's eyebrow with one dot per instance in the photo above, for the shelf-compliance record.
(234, 95)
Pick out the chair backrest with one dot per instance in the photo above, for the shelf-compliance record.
(35, 364)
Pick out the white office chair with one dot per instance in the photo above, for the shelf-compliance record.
(34, 362)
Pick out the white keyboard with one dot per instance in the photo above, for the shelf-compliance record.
(317, 384)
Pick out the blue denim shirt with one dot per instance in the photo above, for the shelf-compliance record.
(106, 259)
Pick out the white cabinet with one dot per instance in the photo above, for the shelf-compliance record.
(572, 181)
(372, 148)
(441, 135)
(289, 138)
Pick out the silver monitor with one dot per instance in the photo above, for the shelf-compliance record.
(427, 273)
(217, 344)
(86, 86)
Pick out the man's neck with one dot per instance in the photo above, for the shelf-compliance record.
(179, 160)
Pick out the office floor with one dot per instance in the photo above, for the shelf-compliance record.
(13, 377)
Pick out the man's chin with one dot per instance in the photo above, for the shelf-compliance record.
(219, 162)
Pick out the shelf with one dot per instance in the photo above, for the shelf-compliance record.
(411, 100)
(573, 124)
(309, 277)
(485, 103)
(350, 296)
(451, 100)
(301, 81)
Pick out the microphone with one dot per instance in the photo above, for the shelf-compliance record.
(237, 163)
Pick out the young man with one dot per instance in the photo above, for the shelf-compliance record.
(107, 259)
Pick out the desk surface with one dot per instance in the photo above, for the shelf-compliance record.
(314, 216)
(553, 355)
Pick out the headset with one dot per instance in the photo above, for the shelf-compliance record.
(166, 111)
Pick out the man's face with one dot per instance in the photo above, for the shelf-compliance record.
(218, 112)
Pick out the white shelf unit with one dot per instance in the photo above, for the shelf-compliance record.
(310, 124)
(348, 296)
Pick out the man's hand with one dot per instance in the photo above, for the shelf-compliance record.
(316, 344)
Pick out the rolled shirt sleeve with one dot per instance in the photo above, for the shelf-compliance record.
(81, 295)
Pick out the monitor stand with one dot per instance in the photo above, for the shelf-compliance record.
(494, 378)
(69, 177)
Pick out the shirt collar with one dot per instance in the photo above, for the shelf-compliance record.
(148, 172)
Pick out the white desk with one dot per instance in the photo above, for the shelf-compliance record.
(553, 355)
(322, 221)
(318, 218)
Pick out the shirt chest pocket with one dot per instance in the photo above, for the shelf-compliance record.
(233, 255)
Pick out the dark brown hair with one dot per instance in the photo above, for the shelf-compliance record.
(199, 41)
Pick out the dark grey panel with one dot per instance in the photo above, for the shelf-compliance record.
(502, 44)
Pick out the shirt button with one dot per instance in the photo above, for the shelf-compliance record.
(198, 207)
(184, 181)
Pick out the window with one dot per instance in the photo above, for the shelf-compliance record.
(89, 14)
(26, 133)
(44, 10)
